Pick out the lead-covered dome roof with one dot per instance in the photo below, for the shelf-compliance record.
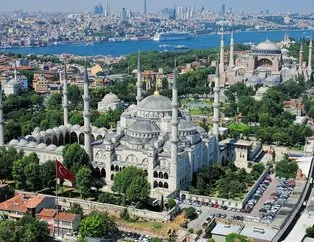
(155, 103)
(110, 97)
(144, 127)
(267, 47)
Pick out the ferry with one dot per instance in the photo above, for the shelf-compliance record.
(172, 36)
(182, 47)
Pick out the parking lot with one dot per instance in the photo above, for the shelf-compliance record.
(269, 204)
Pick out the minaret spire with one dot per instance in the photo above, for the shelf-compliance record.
(216, 105)
(87, 115)
(1, 120)
(301, 58)
(65, 96)
(222, 54)
(15, 70)
(174, 134)
(309, 65)
(231, 59)
(139, 79)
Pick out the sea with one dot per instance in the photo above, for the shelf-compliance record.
(128, 47)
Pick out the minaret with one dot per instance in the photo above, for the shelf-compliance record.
(15, 71)
(309, 65)
(174, 135)
(216, 105)
(87, 115)
(65, 96)
(301, 58)
(139, 80)
(231, 59)
(1, 120)
(222, 54)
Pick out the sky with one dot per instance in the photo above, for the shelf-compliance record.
(274, 6)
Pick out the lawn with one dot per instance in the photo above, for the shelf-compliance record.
(240, 127)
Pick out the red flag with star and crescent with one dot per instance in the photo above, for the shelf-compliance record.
(63, 173)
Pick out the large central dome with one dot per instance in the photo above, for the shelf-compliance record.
(266, 45)
(155, 103)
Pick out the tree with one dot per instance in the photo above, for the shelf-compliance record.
(84, 181)
(233, 237)
(74, 157)
(76, 118)
(171, 203)
(310, 232)
(155, 239)
(257, 170)
(286, 168)
(48, 174)
(74, 95)
(54, 101)
(6, 192)
(189, 212)
(97, 224)
(76, 208)
(132, 182)
(31, 172)
(7, 157)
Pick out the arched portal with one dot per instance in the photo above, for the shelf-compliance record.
(73, 138)
(55, 140)
(81, 139)
(103, 173)
(264, 63)
(112, 168)
(155, 174)
(92, 138)
(61, 139)
(166, 175)
(66, 138)
(99, 137)
(48, 141)
(160, 175)
(155, 184)
(96, 172)
(117, 168)
(166, 185)
(160, 184)
(112, 177)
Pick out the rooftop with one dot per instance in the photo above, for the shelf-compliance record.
(260, 233)
(225, 229)
(21, 203)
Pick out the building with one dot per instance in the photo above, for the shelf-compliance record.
(145, 7)
(294, 106)
(123, 15)
(95, 69)
(110, 102)
(259, 234)
(220, 231)
(266, 64)
(25, 204)
(68, 222)
(153, 135)
(40, 83)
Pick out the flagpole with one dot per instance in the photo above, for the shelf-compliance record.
(57, 201)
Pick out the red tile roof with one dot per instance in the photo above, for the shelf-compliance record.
(21, 203)
(49, 214)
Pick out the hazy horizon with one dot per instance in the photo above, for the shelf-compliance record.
(153, 6)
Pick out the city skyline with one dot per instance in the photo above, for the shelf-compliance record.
(137, 5)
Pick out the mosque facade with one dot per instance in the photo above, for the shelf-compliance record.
(154, 135)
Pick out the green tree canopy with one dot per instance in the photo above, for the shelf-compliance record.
(83, 181)
(75, 157)
(286, 168)
(97, 224)
(48, 173)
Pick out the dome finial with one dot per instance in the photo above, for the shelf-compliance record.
(156, 93)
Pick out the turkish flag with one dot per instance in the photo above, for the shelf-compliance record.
(63, 173)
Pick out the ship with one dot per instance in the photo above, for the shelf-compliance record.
(172, 36)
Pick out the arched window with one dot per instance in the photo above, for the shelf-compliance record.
(146, 173)
(161, 175)
(103, 172)
(112, 167)
(155, 184)
(155, 174)
(166, 175)
(166, 185)
(160, 184)
(97, 172)
(117, 168)
(112, 177)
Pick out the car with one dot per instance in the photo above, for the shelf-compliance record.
(220, 206)
(218, 215)
(262, 210)
(223, 215)
(225, 207)
(229, 208)
(233, 209)
(216, 205)
(204, 225)
(199, 212)
(210, 217)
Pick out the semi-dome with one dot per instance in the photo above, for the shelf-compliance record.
(13, 142)
(110, 97)
(144, 127)
(185, 125)
(254, 80)
(272, 80)
(155, 103)
(76, 127)
(201, 130)
(32, 144)
(51, 147)
(41, 146)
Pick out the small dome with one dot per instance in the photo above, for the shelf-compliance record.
(110, 97)
(94, 129)
(76, 127)
(41, 146)
(267, 45)
(272, 80)
(42, 133)
(102, 131)
(22, 143)
(51, 147)
(200, 130)
(68, 125)
(155, 103)
(60, 149)
(32, 144)
(29, 138)
(144, 126)
(13, 142)
(56, 130)
(49, 131)
(62, 128)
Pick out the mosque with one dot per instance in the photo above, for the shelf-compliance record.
(154, 135)
(266, 64)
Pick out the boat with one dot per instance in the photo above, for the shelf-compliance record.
(162, 36)
(181, 47)
(164, 46)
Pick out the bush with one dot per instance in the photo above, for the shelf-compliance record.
(310, 232)
(191, 231)
(184, 225)
(189, 213)
(286, 168)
